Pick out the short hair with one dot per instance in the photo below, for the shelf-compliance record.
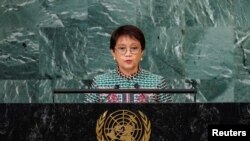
(129, 30)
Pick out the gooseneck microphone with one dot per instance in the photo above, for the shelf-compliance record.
(117, 86)
(137, 86)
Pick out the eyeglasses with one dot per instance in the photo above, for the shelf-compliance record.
(123, 50)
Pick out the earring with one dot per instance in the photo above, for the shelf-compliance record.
(114, 58)
(141, 58)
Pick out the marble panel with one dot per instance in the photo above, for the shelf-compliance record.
(63, 53)
(242, 54)
(19, 91)
(19, 51)
(209, 53)
(64, 13)
(242, 90)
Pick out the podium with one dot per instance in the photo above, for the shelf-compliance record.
(80, 122)
(118, 121)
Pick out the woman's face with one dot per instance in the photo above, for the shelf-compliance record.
(128, 53)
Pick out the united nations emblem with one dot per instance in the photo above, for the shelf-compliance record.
(123, 125)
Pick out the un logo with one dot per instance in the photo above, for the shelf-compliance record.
(123, 125)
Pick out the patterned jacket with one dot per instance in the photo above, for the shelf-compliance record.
(116, 80)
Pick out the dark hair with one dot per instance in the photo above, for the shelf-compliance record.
(131, 31)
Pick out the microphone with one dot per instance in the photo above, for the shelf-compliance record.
(137, 86)
(117, 86)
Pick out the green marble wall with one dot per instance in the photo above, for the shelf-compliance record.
(47, 44)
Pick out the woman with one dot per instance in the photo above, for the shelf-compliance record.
(127, 44)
